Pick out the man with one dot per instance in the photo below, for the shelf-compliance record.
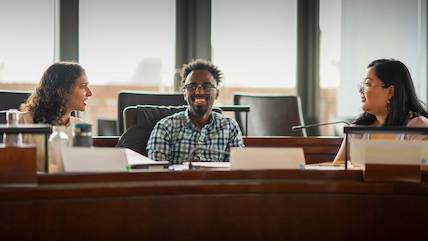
(198, 133)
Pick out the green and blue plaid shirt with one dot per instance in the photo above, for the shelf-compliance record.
(174, 137)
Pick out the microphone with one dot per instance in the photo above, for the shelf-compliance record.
(295, 128)
(203, 148)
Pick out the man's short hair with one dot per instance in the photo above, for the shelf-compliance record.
(200, 64)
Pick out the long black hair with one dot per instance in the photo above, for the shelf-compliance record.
(404, 103)
(47, 104)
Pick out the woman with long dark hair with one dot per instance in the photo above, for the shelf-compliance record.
(388, 98)
(62, 89)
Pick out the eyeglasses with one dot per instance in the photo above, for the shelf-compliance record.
(364, 86)
(206, 87)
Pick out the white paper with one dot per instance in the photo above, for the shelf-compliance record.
(324, 168)
(222, 165)
(256, 158)
(136, 158)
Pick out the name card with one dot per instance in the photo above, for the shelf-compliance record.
(258, 158)
(388, 152)
(104, 159)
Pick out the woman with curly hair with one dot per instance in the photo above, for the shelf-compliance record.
(62, 90)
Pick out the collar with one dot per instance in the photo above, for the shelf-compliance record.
(211, 124)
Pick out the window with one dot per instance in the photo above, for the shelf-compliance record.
(330, 37)
(356, 32)
(254, 43)
(27, 39)
(128, 42)
(330, 25)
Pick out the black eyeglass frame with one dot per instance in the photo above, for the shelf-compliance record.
(206, 87)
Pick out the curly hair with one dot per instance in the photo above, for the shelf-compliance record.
(200, 64)
(47, 104)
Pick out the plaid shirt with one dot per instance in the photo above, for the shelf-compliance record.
(175, 137)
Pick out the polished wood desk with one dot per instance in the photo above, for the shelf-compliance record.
(214, 205)
(316, 149)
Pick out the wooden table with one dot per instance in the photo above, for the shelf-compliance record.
(214, 205)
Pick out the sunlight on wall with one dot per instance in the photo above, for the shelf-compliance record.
(138, 41)
(27, 39)
(254, 42)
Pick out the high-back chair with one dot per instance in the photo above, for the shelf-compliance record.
(139, 122)
(11, 99)
(270, 115)
(131, 98)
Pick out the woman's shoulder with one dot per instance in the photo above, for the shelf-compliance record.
(26, 118)
(419, 121)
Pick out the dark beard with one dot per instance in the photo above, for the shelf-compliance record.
(200, 111)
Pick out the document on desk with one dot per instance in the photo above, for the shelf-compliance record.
(323, 167)
(402, 152)
(216, 165)
(138, 161)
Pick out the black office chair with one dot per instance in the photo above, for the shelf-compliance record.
(11, 99)
(270, 115)
(139, 122)
(131, 98)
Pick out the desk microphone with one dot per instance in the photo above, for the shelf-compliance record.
(193, 151)
(295, 128)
